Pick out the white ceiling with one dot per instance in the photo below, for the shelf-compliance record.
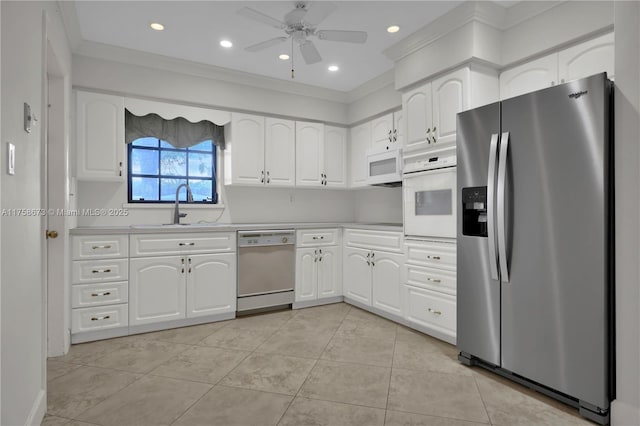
(195, 28)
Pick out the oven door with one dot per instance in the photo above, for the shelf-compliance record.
(430, 203)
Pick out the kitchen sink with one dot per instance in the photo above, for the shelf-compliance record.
(178, 225)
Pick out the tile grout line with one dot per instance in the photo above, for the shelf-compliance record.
(393, 356)
(484, 404)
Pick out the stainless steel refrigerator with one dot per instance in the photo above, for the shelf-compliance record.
(534, 241)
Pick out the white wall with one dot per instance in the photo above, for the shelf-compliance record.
(626, 408)
(378, 204)
(23, 387)
(386, 98)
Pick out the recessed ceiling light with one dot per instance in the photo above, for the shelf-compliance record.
(393, 29)
(157, 26)
(226, 43)
(333, 68)
(284, 56)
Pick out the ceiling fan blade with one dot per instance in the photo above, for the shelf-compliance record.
(318, 11)
(265, 44)
(295, 16)
(339, 35)
(247, 12)
(310, 53)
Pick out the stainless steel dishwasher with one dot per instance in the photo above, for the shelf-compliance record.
(266, 269)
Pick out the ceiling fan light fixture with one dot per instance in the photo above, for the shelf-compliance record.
(333, 68)
(393, 29)
(226, 43)
(284, 56)
(156, 26)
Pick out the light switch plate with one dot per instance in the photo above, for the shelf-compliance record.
(11, 159)
(27, 118)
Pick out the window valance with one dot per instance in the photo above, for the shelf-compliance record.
(178, 131)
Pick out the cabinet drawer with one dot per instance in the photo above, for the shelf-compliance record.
(171, 244)
(99, 246)
(432, 254)
(374, 240)
(95, 271)
(99, 318)
(317, 237)
(86, 295)
(431, 309)
(431, 278)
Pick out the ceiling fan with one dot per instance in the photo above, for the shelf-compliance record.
(300, 24)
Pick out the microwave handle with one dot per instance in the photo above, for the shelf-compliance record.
(491, 184)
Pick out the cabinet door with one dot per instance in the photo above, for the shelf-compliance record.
(586, 59)
(335, 156)
(529, 77)
(306, 274)
(309, 153)
(356, 282)
(398, 128)
(386, 282)
(329, 283)
(280, 152)
(156, 289)
(211, 284)
(382, 132)
(247, 149)
(450, 96)
(358, 146)
(417, 110)
(100, 137)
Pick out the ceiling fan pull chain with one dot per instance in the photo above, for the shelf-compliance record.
(292, 72)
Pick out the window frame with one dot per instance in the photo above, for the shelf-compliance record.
(159, 149)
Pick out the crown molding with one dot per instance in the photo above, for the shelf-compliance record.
(372, 86)
(151, 60)
(525, 10)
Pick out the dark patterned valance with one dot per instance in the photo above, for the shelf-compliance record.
(179, 131)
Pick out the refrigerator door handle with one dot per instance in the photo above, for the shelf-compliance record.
(491, 184)
(500, 213)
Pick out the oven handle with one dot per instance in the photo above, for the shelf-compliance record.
(491, 183)
(412, 175)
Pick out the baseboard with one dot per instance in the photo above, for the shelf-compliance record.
(623, 414)
(38, 409)
(317, 302)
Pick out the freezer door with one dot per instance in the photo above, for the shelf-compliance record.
(554, 305)
(478, 293)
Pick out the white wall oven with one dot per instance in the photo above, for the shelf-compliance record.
(429, 193)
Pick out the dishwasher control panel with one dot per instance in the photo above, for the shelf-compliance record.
(266, 238)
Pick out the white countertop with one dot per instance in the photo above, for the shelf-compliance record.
(222, 227)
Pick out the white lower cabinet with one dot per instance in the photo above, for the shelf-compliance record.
(211, 284)
(431, 310)
(317, 266)
(386, 282)
(356, 281)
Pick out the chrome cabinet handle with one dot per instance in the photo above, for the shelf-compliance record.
(105, 317)
(434, 280)
(433, 138)
(433, 257)
(189, 269)
(315, 255)
(268, 178)
(262, 176)
(395, 135)
(182, 271)
(104, 293)
(98, 271)
(434, 312)
(373, 255)
(320, 258)
(186, 244)
(429, 130)
(368, 255)
(120, 169)
(108, 246)
(318, 238)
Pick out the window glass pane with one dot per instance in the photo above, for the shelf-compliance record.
(144, 189)
(165, 144)
(144, 161)
(168, 189)
(150, 142)
(200, 165)
(201, 189)
(173, 163)
(202, 146)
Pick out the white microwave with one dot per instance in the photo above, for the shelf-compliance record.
(384, 167)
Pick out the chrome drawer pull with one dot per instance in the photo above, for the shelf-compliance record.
(104, 293)
(434, 312)
(108, 246)
(100, 318)
(433, 257)
(435, 280)
(319, 238)
(186, 244)
(97, 271)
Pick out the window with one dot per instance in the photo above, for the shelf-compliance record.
(157, 168)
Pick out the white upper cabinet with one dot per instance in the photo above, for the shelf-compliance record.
(450, 95)
(592, 57)
(359, 143)
(335, 157)
(309, 154)
(280, 153)
(100, 137)
(417, 108)
(582, 60)
(382, 131)
(532, 76)
(245, 150)
(398, 128)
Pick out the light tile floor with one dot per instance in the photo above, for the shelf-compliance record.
(327, 365)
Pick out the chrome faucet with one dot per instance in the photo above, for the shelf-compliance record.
(176, 211)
